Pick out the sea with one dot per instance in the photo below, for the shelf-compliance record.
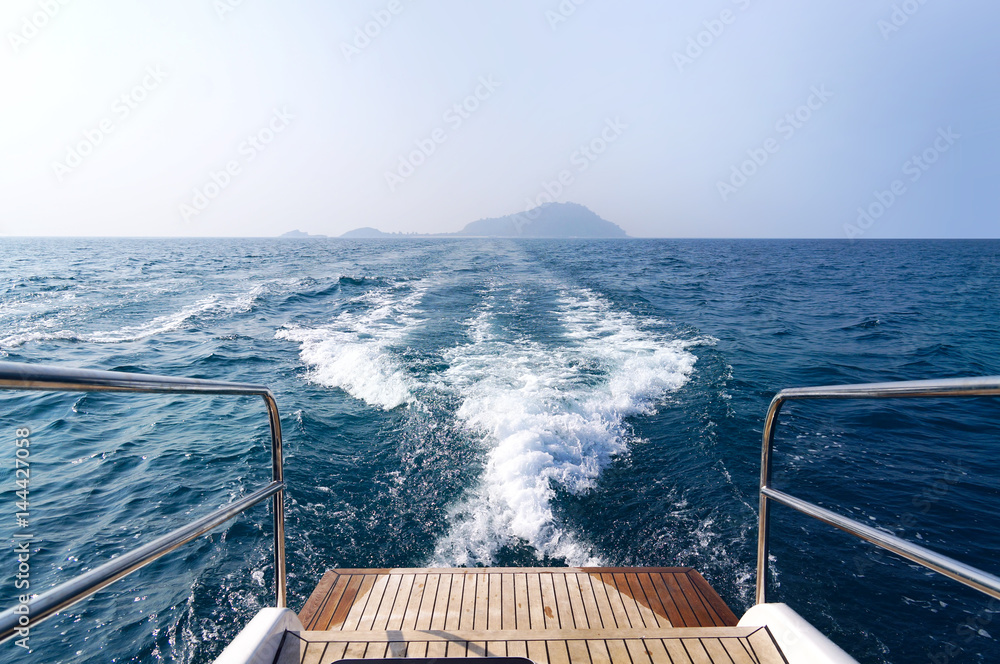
(465, 402)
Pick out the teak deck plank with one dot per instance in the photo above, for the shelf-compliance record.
(388, 599)
(517, 649)
(601, 596)
(373, 600)
(580, 618)
(550, 615)
(678, 653)
(615, 600)
(558, 653)
(329, 603)
(333, 652)
(549, 607)
(440, 610)
(666, 613)
(347, 599)
(674, 592)
(494, 611)
(386, 636)
(496, 649)
(657, 651)
(563, 608)
(696, 651)
(716, 651)
(598, 651)
(481, 621)
(508, 614)
(412, 611)
(468, 616)
(702, 611)
(637, 651)
(537, 652)
(521, 599)
(737, 650)
(426, 608)
(357, 607)
(650, 607)
(453, 617)
(537, 618)
(635, 618)
(402, 600)
(708, 593)
(308, 613)
(437, 649)
(589, 601)
(578, 651)
(618, 651)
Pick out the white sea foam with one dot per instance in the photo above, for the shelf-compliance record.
(51, 328)
(552, 417)
(351, 352)
(173, 321)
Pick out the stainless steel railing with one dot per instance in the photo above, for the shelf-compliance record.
(962, 387)
(15, 376)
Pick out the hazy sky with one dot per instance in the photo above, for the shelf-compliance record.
(717, 118)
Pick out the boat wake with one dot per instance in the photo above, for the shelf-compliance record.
(545, 393)
(50, 323)
(353, 351)
(550, 416)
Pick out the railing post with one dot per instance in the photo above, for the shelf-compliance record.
(277, 475)
(764, 523)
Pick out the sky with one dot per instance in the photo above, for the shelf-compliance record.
(718, 118)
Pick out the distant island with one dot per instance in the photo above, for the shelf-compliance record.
(299, 234)
(551, 220)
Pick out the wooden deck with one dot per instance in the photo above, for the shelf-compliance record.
(550, 615)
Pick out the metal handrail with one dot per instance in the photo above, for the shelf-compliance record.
(15, 376)
(956, 387)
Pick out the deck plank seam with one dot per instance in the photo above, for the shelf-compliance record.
(654, 600)
(748, 648)
(679, 599)
(692, 595)
(321, 604)
(674, 614)
(333, 597)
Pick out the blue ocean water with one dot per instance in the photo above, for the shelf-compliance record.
(465, 402)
